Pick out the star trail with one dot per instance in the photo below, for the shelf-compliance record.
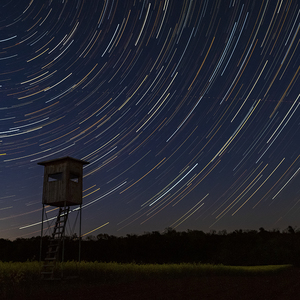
(188, 112)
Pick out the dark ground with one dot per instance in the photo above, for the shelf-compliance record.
(284, 285)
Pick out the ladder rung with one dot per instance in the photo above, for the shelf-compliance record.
(50, 257)
(50, 252)
(48, 266)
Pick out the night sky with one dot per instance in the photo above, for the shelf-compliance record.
(188, 112)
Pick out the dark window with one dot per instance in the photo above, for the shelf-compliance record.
(74, 177)
(55, 177)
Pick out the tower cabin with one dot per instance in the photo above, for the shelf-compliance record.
(62, 181)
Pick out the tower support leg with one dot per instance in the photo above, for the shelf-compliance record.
(42, 231)
(80, 218)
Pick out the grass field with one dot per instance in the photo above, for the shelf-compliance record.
(22, 280)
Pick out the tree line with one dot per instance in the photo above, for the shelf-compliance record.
(240, 247)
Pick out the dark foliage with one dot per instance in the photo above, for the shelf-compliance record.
(236, 248)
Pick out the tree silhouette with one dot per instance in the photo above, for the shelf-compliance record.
(240, 247)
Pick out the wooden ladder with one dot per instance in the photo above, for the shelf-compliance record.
(52, 255)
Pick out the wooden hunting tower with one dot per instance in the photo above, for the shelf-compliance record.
(63, 181)
(62, 188)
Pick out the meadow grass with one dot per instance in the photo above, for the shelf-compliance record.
(116, 271)
(24, 279)
(17, 272)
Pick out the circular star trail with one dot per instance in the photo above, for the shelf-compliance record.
(188, 112)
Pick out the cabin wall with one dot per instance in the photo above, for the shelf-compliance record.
(63, 184)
